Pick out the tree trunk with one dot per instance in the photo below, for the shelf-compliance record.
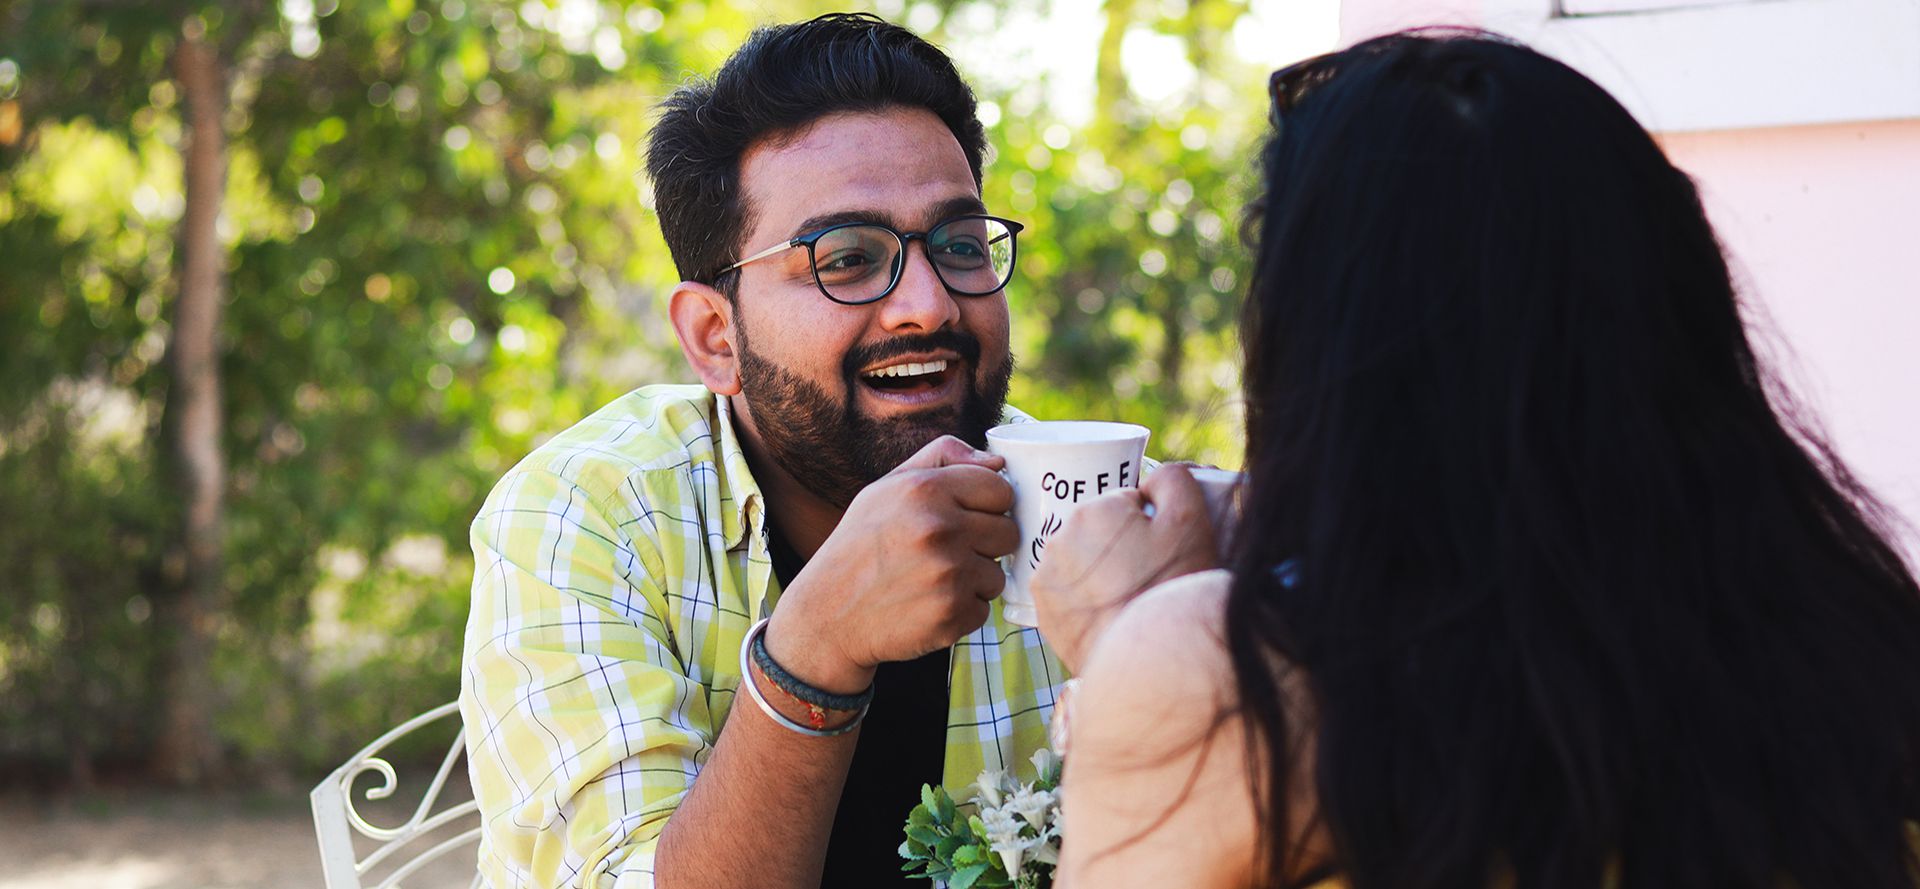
(1113, 98)
(1173, 350)
(186, 752)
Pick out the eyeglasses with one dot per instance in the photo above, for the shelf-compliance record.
(856, 263)
(1287, 86)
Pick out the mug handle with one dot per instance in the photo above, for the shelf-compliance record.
(1006, 566)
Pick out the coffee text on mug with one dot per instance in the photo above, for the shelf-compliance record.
(1071, 490)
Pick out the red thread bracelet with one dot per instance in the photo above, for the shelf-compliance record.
(816, 715)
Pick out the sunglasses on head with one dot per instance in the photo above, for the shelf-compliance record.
(1288, 86)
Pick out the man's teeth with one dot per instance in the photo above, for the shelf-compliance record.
(909, 370)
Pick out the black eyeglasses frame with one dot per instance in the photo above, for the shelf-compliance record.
(906, 239)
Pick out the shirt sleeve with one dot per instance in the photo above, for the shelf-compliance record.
(583, 729)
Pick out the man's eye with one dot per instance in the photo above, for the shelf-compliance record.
(845, 260)
(847, 266)
(967, 248)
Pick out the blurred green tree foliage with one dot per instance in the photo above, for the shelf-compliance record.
(438, 250)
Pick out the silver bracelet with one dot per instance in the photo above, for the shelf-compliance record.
(753, 690)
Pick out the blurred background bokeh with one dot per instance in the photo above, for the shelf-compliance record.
(427, 244)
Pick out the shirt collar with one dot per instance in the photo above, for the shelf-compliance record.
(749, 512)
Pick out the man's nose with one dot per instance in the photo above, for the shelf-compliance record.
(920, 301)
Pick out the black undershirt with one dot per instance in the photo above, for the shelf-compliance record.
(901, 745)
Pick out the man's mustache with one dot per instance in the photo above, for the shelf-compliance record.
(965, 344)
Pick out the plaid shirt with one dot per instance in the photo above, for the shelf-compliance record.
(617, 570)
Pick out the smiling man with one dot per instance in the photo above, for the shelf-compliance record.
(721, 634)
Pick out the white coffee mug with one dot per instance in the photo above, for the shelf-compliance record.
(1054, 466)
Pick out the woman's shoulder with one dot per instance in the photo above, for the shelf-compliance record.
(1162, 665)
(1157, 784)
(1169, 640)
(1198, 587)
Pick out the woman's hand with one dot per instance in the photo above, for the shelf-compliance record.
(1111, 550)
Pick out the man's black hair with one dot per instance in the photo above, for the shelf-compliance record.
(776, 84)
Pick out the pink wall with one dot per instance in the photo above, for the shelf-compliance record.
(1823, 224)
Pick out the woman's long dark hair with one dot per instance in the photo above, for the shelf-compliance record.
(1576, 604)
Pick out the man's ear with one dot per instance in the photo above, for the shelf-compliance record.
(703, 318)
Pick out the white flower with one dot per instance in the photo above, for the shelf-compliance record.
(1001, 826)
(989, 787)
(1032, 805)
(1021, 823)
(1047, 851)
(1010, 855)
(1046, 764)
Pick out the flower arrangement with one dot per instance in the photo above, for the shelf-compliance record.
(1007, 836)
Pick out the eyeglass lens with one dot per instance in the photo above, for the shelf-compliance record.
(860, 263)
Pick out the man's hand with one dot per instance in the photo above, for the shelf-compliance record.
(1111, 550)
(910, 569)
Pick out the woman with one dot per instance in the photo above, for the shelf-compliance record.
(1532, 586)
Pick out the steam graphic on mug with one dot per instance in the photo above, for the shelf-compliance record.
(1047, 528)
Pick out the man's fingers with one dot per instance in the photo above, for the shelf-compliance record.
(950, 451)
(973, 487)
(991, 535)
(971, 618)
(989, 579)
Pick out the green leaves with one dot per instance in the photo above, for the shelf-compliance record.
(377, 383)
(944, 843)
(956, 844)
(924, 837)
(965, 877)
(944, 809)
(375, 387)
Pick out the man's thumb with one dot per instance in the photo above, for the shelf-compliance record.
(950, 451)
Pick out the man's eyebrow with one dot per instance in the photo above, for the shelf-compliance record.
(960, 206)
(840, 217)
(947, 209)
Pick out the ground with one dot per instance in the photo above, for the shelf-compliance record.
(164, 840)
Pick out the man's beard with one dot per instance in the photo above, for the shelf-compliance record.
(832, 448)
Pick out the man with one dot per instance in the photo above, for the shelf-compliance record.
(844, 308)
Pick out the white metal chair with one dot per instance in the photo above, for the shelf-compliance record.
(336, 820)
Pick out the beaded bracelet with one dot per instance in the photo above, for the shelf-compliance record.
(752, 649)
(797, 687)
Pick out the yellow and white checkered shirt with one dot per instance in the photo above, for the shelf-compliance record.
(617, 570)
